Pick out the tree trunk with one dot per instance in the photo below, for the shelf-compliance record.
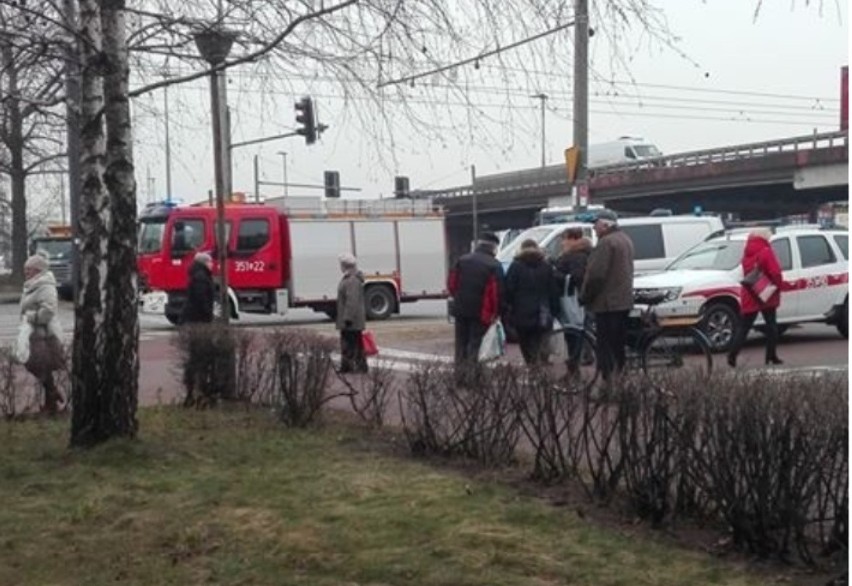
(18, 177)
(105, 367)
(122, 307)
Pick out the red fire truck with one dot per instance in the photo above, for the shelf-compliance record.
(280, 257)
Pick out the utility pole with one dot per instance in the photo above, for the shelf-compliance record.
(581, 96)
(473, 198)
(256, 179)
(284, 156)
(168, 147)
(543, 97)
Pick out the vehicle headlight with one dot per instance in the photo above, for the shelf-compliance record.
(657, 295)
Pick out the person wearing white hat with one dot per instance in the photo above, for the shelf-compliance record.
(351, 316)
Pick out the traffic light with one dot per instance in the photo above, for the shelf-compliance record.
(401, 187)
(332, 184)
(306, 118)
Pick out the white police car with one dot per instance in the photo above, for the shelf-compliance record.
(705, 281)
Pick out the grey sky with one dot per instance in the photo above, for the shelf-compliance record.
(789, 51)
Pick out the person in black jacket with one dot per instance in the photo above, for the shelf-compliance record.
(476, 286)
(532, 299)
(197, 310)
(572, 262)
(201, 292)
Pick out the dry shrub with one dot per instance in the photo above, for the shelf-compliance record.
(302, 367)
(254, 373)
(477, 420)
(10, 396)
(206, 358)
(370, 394)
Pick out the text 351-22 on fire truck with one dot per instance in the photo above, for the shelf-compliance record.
(284, 254)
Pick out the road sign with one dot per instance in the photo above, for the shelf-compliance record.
(572, 158)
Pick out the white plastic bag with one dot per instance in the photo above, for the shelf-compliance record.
(572, 314)
(493, 344)
(22, 345)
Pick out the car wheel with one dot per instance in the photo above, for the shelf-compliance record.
(843, 324)
(720, 324)
(380, 302)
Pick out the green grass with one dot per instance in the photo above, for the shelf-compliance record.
(233, 498)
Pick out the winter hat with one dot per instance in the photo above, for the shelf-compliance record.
(347, 260)
(203, 258)
(608, 216)
(489, 237)
(37, 262)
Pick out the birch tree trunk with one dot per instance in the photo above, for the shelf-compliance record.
(105, 366)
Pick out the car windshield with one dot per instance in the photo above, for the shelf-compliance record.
(646, 151)
(151, 235)
(54, 249)
(719, 255)
(537, 234)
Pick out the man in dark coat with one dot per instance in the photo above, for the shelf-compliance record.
(198, 310)
(532, 299)
(201, 292)
(476, 286)
(608, 291)
(576, 249)
(351, 316)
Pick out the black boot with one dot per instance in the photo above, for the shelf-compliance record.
(773, 360)
(732, 359)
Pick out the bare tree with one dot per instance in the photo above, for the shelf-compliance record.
(29, 133)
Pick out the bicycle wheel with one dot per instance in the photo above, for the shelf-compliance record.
(686, 350)
(586, 371)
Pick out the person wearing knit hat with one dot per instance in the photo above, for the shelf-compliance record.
(39, 307)
(475, 284)
(351, 316)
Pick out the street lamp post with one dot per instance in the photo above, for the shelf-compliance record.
(543, 97)
(284, 156)
(214, 44)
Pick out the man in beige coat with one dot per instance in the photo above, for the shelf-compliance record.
(608, 291)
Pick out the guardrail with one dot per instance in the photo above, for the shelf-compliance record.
(733, 153)
(555, 174)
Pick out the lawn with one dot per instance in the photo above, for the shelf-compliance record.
(234, 498)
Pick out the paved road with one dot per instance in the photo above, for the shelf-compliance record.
(422, 332)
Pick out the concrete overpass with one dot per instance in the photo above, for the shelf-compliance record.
(758, 180)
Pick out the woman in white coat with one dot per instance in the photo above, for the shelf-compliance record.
(38, 309)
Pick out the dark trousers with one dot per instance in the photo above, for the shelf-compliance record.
(532, 345)
(469, 334)
(612, 338)
(769, 316)
(352, 352)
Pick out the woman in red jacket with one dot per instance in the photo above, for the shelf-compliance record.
(759, 254)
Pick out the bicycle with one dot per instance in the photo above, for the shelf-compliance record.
(653, 342)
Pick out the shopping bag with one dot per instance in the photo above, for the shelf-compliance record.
(759, 285)
(368, 341)
(764, 289)
(493, 344)
(572, 314)
(22, 344)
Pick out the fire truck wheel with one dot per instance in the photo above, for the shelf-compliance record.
(380, 302)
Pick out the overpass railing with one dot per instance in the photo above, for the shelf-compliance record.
(734, 153)
(556, 175)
